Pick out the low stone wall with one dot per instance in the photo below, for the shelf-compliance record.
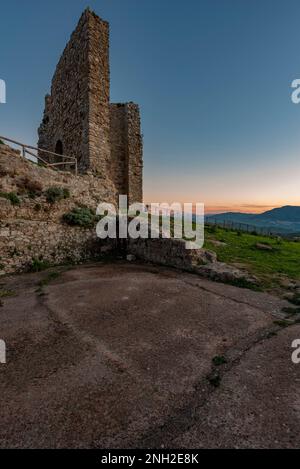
(23, 242)
(171, 252)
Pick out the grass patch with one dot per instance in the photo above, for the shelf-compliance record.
(38, 265)
(271, 334)
(12, 197)
(281, 323)
(214, 379)
(45, 281)
(6, 293)
(244, 283)
(295, 300)
(81, 216)
(219, 360)
(50, 276)
(268, 266)
(291, 311)
(55, 194)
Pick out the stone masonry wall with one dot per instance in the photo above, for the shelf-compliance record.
(66, 116)
(118, 146)
(127, 150)
(34, 228)
(99, 90)
(77, 111)
(134, 154)
(105, 138)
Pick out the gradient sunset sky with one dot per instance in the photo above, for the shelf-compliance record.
(212, 77)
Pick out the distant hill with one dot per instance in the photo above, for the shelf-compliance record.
(286, 213)
(282, 220)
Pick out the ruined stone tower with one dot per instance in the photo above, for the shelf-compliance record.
(79, 119)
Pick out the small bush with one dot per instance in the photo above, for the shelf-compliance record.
(2, 143)
(55, 194)
(38, 265)
(81, 216)
(12, 197)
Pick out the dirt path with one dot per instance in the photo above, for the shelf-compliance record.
(120, 355)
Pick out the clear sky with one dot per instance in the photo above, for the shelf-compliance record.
(212, 77)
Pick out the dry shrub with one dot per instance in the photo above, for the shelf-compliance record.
(30, 186)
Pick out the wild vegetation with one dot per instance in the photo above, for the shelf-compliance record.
(271, 259)
(81, 216)
(55, 194)
(11, 196)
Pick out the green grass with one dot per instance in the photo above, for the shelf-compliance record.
(38, 265)
(290, 311)
(268, 266)
(11, 196)
(6, 293)
(219, 360)
(49, 277)
(281, 323)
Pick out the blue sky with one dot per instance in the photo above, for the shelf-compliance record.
(212, 78)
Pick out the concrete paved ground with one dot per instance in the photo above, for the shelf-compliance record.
(120, 355)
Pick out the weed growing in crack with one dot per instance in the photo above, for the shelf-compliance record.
(219, 360)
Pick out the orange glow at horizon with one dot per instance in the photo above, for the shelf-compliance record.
(244, 208)
(247, 190)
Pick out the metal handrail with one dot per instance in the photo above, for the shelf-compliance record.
(26, 148)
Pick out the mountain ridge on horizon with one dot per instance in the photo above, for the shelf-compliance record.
(281, 220)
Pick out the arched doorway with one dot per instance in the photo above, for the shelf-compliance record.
(59, 147)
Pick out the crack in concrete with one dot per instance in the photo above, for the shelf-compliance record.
(220, 295)
(184, 418)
